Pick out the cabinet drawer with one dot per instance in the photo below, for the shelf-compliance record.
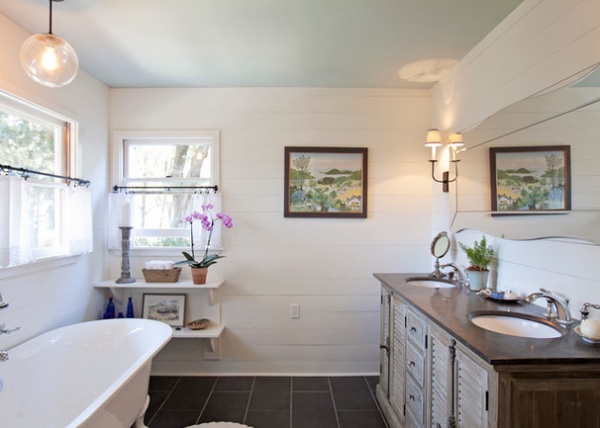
(416, 330)
(415, 364)
(415, 401)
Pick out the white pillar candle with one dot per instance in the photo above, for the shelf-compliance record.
(126, 220)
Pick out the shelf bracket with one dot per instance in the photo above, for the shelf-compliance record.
(213, 296)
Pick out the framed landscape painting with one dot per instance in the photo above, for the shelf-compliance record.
(325, 182)
(168, 308)
(530, 180)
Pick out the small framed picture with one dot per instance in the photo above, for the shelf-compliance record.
(168, 308)
(530, 180)
(325, 182)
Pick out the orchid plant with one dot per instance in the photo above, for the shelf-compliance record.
(208, 223)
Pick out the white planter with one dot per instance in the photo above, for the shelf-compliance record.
(477, 279)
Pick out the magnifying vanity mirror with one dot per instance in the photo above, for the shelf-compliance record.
(439, 248)
(569, 116)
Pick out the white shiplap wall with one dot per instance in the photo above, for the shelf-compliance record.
(325, 265)
(54, 293)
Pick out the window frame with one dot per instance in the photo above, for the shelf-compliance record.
(65, 154)
(118, 169)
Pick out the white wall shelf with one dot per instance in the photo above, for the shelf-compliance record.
(211, 333)
(118, 290)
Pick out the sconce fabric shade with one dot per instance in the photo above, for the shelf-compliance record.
(434, 138)
(456, 139)
(49, 60)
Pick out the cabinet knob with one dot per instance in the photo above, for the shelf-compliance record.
(411, 397)
(413, 329)
(411, 363)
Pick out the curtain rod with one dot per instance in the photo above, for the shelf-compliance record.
(23, 172)
(117, 189)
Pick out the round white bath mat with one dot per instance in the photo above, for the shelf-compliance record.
(219, 425)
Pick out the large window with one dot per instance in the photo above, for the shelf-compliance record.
(35, 139)
(160, 171)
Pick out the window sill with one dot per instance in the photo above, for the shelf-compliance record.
(38, 266)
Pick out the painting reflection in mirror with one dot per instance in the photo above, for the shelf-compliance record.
(527, 180)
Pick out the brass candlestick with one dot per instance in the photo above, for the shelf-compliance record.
(125, 267)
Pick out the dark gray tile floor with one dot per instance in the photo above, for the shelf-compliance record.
(265, 402)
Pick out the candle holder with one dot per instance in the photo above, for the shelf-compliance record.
(125, 267)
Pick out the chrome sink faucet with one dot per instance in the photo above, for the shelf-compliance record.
(456, 274)
(557, 309)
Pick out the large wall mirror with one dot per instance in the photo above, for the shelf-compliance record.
(568, 116)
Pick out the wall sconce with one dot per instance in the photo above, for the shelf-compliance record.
(434, 140)
(48, 59)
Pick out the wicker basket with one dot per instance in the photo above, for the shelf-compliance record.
(198, 324)
(162, 275)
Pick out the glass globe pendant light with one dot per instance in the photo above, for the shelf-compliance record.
(48, 59)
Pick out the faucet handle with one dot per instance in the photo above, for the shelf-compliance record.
(7, 330)
(3, 304)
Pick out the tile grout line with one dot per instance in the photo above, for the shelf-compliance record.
(207, 400)
(337, 419)
(249, 400)
(291, 399)
(159, 408)
(376, 402)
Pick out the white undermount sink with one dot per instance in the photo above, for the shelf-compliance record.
(515, 324)
(430, 282)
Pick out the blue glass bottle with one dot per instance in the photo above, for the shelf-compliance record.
(110, 309)
(130, 308)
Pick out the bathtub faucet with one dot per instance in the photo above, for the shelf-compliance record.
(4, 330)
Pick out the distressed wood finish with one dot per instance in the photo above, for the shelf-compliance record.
(549, 397)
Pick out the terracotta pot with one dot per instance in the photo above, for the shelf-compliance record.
(199, 275)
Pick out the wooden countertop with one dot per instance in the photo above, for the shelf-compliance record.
(449, 307)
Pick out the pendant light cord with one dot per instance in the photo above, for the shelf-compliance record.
(50, 18)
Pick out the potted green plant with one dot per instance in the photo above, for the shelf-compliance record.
(480, 256)
(200, 268)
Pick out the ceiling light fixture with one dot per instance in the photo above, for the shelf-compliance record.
(455, 142)
(48, 59)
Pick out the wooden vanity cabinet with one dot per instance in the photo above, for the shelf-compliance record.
(391, 388)
(427, 379)
(459, 384)
(431, 377)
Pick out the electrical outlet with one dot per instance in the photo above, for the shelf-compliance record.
(294, 310)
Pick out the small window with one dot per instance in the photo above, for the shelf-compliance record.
(162, 172)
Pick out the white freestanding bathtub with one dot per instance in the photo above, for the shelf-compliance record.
(93, 374)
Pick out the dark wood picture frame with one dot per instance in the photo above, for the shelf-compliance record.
(530, 179)
(325, 182)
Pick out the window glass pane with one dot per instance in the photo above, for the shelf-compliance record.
(164, 160)
(160, 210)
(29, 144)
